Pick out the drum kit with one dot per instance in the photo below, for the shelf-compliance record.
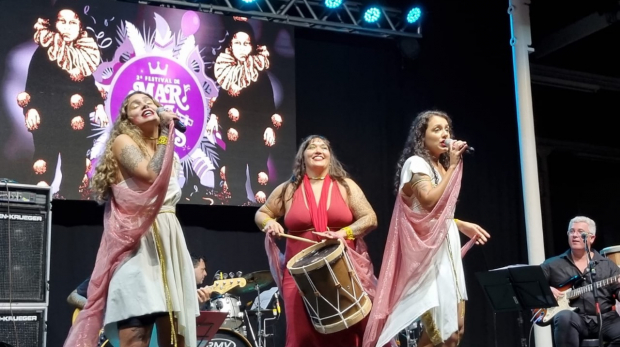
(234, 330)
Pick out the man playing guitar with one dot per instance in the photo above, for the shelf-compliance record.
(571, 326)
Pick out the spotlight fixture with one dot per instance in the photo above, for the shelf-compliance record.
(414, 15)
(372, 14)
(331, 4)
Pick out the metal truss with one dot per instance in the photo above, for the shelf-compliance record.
(347, 18)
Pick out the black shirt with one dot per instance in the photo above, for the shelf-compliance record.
(560, 269)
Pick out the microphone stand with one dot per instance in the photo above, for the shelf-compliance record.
(591, 275)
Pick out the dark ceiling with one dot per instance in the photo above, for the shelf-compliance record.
(555, 21)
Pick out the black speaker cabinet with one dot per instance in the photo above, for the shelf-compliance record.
(23, 327)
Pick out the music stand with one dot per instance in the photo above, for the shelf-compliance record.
(208, 323)
(517, 288)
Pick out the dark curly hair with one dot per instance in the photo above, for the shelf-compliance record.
(415, 144)
(336, 170)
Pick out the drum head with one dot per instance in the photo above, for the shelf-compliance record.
(226, 338)
(316, 255)
(610, 250)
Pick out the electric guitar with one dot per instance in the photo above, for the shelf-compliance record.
(219, 286)
(544, 316)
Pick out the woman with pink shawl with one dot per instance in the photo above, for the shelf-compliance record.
(143, 274)
(422, 273)
(319, 202)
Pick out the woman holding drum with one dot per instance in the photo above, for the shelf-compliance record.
(422, 273)
(320, 202)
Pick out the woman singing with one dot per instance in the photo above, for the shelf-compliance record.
(423, 232)
(319, 202)
(143, 274)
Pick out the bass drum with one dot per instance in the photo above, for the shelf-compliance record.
(225, 338)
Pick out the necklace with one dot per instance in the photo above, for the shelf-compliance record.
(316, 178)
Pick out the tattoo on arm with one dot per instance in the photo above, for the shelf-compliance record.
(158, 159)
(130, 157)
(365, 217)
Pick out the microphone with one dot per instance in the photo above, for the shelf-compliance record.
(469, 149)
(177, 123)
(584, 236)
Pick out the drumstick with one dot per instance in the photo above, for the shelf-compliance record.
(297, 238)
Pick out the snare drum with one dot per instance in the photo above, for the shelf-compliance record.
(329, 286)
(227, 338)
(231, 305)
(613, 253)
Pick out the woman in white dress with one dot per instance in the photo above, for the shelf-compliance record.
(144, 274)
(427, 183)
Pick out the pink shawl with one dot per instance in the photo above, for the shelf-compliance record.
(413, 240)
(128, 216)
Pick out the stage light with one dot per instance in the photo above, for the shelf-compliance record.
(333, 3)
(372, 14)
(414, 15)
(248, 1)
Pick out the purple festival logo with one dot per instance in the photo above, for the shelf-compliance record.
(168, 66)
(173, 86)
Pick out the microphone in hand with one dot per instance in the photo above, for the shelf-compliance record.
(469, 149)
(177, 123)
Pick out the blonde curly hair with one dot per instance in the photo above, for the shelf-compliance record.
(107, 168)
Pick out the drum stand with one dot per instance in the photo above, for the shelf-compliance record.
(262, 335)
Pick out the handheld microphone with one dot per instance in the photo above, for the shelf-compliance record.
(469, 149)
(177, 123)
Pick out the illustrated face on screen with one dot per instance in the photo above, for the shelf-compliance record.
(68, 25)
(241, 46)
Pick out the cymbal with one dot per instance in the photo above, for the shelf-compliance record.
(261, 278)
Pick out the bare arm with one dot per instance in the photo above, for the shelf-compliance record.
(131, 158)
(76, 300)
(271, 209)
(420, 186)
(364, 215)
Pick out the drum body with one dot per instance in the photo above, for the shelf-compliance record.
(329, 286)
(231, 305)
(613, 253)
(227, 338)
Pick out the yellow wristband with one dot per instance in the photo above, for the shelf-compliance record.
(456, 220)
(265, 223)
(349, 232)
(162, 140)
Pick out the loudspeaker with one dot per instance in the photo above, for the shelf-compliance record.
(23, 327)
(25, 221)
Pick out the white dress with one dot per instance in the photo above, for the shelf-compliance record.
(443, 283)
(137, 289)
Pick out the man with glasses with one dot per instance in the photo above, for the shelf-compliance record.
(571, 267)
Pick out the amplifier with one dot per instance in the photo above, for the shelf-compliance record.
(23, 194)
(23, 328)
(24, 255)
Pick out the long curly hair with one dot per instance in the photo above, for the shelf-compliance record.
(107, 168)
(336, 170)
(415, 144)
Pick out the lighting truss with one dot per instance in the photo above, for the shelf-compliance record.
(347, 18)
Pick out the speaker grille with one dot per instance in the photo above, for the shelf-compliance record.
(22, 329)
(25, 280)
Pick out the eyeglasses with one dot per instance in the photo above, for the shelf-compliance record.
(578, 232)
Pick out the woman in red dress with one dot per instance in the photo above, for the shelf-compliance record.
(318, 202)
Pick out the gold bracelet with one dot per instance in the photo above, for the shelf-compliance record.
(162, 140)
(265, 223)
(349, 232)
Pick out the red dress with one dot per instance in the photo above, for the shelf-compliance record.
(299, 329)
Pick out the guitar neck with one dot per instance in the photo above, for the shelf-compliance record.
(574, 293)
